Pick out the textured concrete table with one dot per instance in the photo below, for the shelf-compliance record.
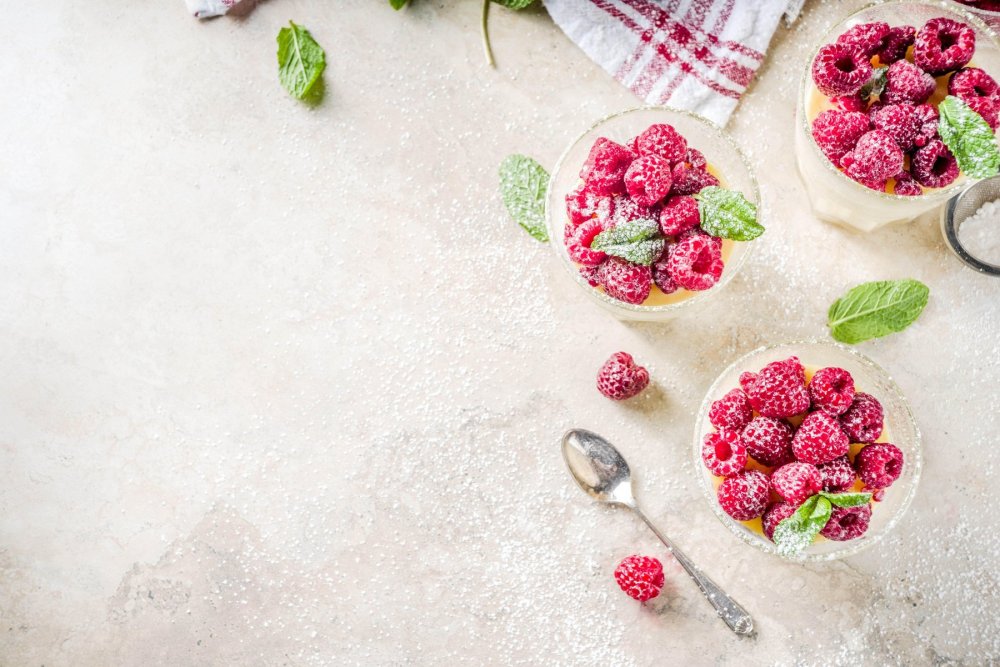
(283, 385)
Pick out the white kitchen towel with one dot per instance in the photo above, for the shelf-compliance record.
(698, 55)
(204, 9)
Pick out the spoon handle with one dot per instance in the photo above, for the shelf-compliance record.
(736, 617)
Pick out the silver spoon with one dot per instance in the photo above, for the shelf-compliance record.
(602, 472)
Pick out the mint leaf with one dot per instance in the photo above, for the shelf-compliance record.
(847, 499)
(798, 531)
(637, 241)
(523, 183)
(301, 60)
(876, 84)
(969, 137)
(398, 4)
(876, 309)
(728, 214)
(514, 4)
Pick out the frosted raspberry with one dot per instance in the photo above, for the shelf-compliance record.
(779, 389)
(678, 215)
(625, 281)
(695, 263)
(943, 45)
(768, 440)
(933, 166)
(988, 108)
(907, 83)
(732, 411)
(578, 245)
(641, 577)
(620, 377)
(627, 209)
(775, 514)
(661, 272)
(848, 103)
(878, 495)
(899, 121)
(895, 44)
(582, 204)
(796, 481)
(689, 179)
(698, 231)
(847, 523)
(906, 186)
(663, 140)
(879, 465)
(819, 439)
(837, 132)
(695, 158)
(648, 179)
(604, 171)
(874, 160)
(723, 453)
(744, 495)
(589, 274)
(928, 116)
(838, 474)
(970, 83)
(865, 38)
(840, 70)
(863, 420)
(832, 390)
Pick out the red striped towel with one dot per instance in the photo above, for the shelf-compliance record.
(698, 55)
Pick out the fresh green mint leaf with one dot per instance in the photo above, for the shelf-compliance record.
(301, 60)
(847, 499)
(637, 241)
(794, 534)
(728, 214)
(876, 309)
(523, 183)
(398, 4)
(515, 4)
(876, 84)
(969, 137)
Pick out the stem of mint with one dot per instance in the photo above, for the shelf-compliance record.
(485, 32)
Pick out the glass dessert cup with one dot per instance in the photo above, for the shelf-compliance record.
(899, 426)
(725, 159)
(989, 17)
(834, 196)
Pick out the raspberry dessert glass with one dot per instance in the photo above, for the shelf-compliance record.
(834, 196)
(725, 160)
(987, 10)
(899, 428)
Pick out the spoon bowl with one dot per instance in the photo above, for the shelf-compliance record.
(598, 468)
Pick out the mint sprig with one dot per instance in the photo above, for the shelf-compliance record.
(876, 84)
(523, 183)
(301, 60)
(638, 241)
(855, 499)
(969, 138)
(398, 4)
(876, 309)
(794, 534)
(728, 214)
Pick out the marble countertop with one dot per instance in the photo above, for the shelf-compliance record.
(283, 385)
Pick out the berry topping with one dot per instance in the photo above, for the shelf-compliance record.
(988, 108)
(589, 274)
(906, 186)
(775, 514)
(874, 160)
(662, 140)
(899, 121)
(620, 377)
(627, 209)
(905, 82)
(879, 465)
(732, 411)
(604, 171)
(837, 132)
(895, 44)
(838, 474)
(847, 523)
(863, 420)
(943, 45)
(744, 495)
(625, 281)
(971, 83)
(582, 204)
(832, 390)
(689, 179)
(796, 481)
(848, 103)
(865, 38)
(661, 272)
(578, 244)
(840, 69)
(768, 440)
(678, 215)
(648, 179)
(819, 439)
(928, 116)
(695, 262)
(723, 453)
(695, 158)
(641, 577)
(778, 390)
(933, 166)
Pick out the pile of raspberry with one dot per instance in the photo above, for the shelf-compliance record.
(653, 177)
(893, 136)
(771, 466)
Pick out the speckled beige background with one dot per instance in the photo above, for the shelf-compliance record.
(283, 385)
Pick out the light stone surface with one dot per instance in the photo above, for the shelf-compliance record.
(283, 385)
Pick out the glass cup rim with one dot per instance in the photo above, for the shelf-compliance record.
(850, 548)
(638, 309)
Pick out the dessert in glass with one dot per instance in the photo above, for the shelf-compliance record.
(987, 10)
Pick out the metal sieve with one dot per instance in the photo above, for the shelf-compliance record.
(960, 208)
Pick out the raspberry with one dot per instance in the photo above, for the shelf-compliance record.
(838, 474)
(865, 38)
(928, 116)
(874, 160)
(878, 495)
(987, 108)
(578, 245)
(625, 281)
(775, 514)
(819, 439)
(662, 140)
(778, 390)
(840, 70)
(648, 179)
(905, 82)
(934, 166)
(732, 411)
(847, 103)
(604, 171)
(943, 45)
(661, 272)
(698, 231)
(832, 390)
(895, 44)
(837, 132)
(847, 523)
(879, 465)
(582, 204)
(906, 186)
(863, 420)
(689, 179)
(768, 440)
(589, 274)
(678, 215)
(744, 495)
(641, 577)
(695, 158)
(620, 377)
(723, 453)
(627, 209)
(899, 121)
(695, 262)
(971, 83)
(796, 481)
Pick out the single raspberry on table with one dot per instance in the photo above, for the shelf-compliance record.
(934, 166)
(819, 439)
(723, 453)
(648, 179)
(943, 45)
(663, 140)
(907, 83)
(779, 389)
(625, 281)
(797, 481)
(732, 411)
(879, 465)
(582, 204)
(988, 108)
(831, 390)
(768, 440)
(865, 38)
(620, 377)
(906, 186)
(971, 83)
(874, 160)
(838, 474)
(899, 121)
(847, 523)
(840, 69)
(578, 244)
(695, 262)
(689, 180)
(862, 422)
(661, 272)
(627, 209)
(775, 514)
(678, 215)
(837, 132)
(604, 171)
(895, 44)
(641, 577)
(744, 495)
